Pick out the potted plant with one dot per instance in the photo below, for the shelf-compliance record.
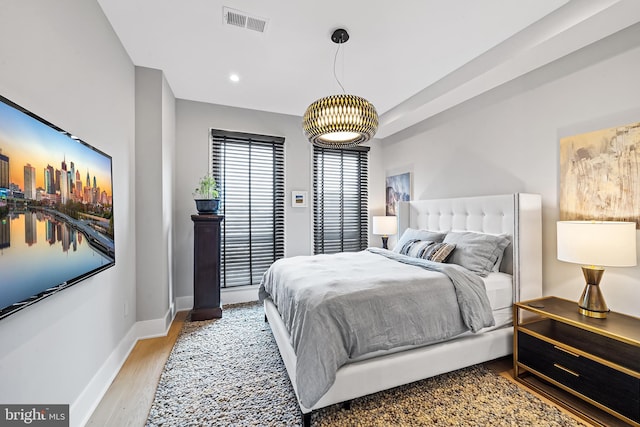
(207, 195)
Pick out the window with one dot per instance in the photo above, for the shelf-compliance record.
(250, 172)
(340, 193)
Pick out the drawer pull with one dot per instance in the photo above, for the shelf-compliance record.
(575, 374)
(566, 351)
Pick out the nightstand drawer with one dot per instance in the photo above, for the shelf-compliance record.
(612, 388)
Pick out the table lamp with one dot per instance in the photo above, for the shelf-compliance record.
(385, 226)
(595, 245)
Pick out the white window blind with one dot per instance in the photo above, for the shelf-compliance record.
(250, 172)
(340, 194)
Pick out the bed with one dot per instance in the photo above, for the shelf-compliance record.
(516, 216)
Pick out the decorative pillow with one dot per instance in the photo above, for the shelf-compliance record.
(415, 248)
(413, 234)
(439, 252)
(477, 252)
(426, 249)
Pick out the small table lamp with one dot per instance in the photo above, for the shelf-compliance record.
(595, 245)
(385, 225)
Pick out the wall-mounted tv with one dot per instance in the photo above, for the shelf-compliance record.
(56, 209)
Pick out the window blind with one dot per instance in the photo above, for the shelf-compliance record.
(250, 172)
(340, 194)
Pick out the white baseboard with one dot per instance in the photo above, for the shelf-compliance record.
(239, 294)
(90, 398)
(184, 303)
(227, 296)
(87, 402)
(156, 327)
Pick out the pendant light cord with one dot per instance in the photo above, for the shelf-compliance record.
(335, 58)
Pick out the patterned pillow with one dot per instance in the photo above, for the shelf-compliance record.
(439, 252)
(415, 247)
(426, 249)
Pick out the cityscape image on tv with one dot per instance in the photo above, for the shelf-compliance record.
(56, 217)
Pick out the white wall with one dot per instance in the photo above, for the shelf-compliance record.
(168, 189)
(507, 141)
(62, 61)
(155, 147)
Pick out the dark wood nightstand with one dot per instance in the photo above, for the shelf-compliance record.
(597, 360)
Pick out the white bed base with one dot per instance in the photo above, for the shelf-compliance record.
(518, 215)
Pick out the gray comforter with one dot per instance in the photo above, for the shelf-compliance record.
(342, 306)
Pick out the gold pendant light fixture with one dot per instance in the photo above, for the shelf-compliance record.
(340, 121)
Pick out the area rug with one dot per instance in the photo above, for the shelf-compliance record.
(228, 372)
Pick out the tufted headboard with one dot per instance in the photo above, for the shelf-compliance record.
(518, 215)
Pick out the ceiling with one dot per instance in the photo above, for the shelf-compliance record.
(411, 58)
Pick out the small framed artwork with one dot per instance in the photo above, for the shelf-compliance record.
(298, 199)
(398, 189)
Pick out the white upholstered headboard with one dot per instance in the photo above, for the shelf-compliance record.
(518, 215)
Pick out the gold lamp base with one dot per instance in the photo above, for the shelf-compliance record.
(592, 302)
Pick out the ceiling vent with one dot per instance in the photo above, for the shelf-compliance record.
(243, 20)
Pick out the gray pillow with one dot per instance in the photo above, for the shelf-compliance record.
(413, 234)
(477, 252)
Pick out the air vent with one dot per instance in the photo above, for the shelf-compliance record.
(243, 20)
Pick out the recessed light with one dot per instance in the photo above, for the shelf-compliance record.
(234, 78)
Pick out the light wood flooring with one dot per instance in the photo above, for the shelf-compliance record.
(129, 398)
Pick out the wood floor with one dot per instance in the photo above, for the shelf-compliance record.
(129, 398)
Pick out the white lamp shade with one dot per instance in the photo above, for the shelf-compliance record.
(385, 225)
(597, 243)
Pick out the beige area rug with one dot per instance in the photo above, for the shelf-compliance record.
(228, 372)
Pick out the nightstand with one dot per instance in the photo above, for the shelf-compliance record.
(597, 360)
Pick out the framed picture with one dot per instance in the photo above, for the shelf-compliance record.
(398, 189)
(600, 175)
(298, 199)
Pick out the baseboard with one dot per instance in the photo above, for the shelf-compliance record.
(227, 296)
(90, 398)
(184, 303)
(239, 294)
(155, 327)
(87, 402)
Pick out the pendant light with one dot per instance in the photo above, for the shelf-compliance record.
(340, 121)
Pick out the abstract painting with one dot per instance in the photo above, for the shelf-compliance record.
(398, 189)
(600, 175)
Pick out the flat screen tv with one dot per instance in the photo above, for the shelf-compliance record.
(56, 209)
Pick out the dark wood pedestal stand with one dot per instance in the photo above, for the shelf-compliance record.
(206, 267)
